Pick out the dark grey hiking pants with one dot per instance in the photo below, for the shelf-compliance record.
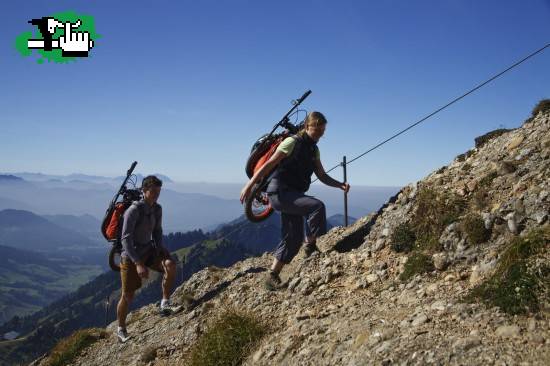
(294, 206)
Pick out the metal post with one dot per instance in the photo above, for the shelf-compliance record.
(107, 306)
(345, 193)
(181, 261)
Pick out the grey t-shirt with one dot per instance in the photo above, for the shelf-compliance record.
(142, 224)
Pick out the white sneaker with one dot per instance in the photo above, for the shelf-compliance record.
(122, 335)
(167, 309)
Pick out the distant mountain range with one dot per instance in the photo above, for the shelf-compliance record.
(187, 205)
(39, 177)
(182, 211)
(86, 225)
(28, 231)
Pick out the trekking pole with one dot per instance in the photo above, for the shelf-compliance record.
(181, 270)
(344, 165)
(107, 303)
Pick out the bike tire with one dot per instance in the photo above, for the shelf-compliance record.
(259, 199)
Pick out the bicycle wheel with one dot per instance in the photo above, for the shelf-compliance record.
(114, 258)
(257, 206)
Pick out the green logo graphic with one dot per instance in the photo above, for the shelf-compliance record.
(60, 37)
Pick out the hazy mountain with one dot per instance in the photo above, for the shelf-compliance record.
(25, 230)
(339, 220)
(77, 177)
(10, 178)
(139, 178)
(6, 203)
(186, 206)
(182, 211)
(87, 225)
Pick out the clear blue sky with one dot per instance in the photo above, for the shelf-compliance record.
(186, 87)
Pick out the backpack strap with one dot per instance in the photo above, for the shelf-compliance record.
(141, 210)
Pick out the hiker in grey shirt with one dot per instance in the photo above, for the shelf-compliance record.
(143, 250)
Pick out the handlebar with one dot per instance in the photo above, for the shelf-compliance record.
(303, 97)
(284, 121)
(131, 170)
(123, 185)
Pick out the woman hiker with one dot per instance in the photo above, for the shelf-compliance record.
(295, 159)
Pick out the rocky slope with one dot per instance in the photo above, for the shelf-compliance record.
(364, 300)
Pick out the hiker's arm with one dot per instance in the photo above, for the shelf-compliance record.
(129, 224)
(264, 170)
(326, 179)
(157, 230)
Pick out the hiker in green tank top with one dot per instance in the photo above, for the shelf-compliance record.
(294, 161)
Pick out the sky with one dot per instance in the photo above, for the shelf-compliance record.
(186, 87)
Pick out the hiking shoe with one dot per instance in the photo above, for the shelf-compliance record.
(310, 248)
(273, 281)
(168, 309)
(122, 335)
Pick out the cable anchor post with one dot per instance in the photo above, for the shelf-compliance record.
(344, 166)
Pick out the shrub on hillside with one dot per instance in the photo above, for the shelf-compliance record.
(228, 340)
(417, 263)
(433, 212)
(69, 348)
(483, 139)
(516, 286)
(473, 227)
(402, 239)
(542, 106)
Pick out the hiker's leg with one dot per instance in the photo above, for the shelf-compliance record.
(168, 278)
(297, 203)
(122, 308)
(292, 233)
(130, 283)
(317, 219)
(277, 266)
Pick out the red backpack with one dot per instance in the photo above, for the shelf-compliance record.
(111, 226)
(257, 206)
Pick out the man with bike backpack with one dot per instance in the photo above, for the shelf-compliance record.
(294, 161)
(142, 249)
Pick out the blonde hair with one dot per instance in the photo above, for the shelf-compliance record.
(313, 119)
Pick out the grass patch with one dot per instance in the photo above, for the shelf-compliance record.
(228, 341)
(473, 227)
(466, 155)
(488, 179)
(416, 264)
(434, 211)
(466, 167)
(482, 140)
(69, 348)
(480, 199)
(515, 287)
(542, 106)
(402, 239)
